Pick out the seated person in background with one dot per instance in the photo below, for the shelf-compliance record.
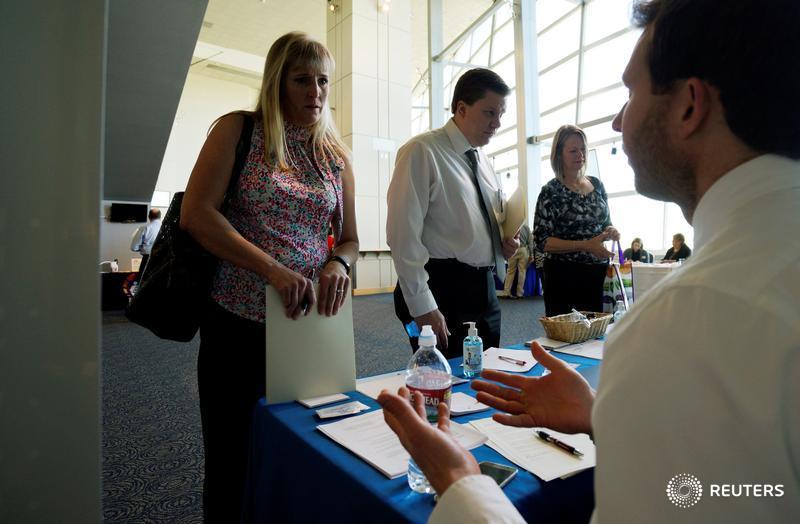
(711, 125)
(679, 249)
(636, 252)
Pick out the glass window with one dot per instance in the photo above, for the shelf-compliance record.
(561, 40)
(481, 34)
(676, 223)
(612, 164)
(552, 121)
(481, 57)
(506, 70)
(603, 104)
(502, 140)
(558, 85)
(502, 15)
(503, 42)
(548, 11)
(638, 216)
(505, 160)
(509, 180)
(546, 170)
(604, 17)
(599, 132)
(604, 64)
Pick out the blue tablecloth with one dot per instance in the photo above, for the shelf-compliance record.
(296, 474)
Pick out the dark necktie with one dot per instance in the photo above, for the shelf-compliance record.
(484, 202)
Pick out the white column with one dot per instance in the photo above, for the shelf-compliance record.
(371, 95)
(527, 93)
(435, 67)
(53, 91)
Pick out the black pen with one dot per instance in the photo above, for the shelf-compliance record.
(511, 360)
(563, 445)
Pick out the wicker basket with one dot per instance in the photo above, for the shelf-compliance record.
(561, 328)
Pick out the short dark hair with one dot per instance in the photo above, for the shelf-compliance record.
(744, 48)
(154, 214)
(473, 84)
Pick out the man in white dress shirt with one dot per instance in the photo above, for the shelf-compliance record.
(702, 377)
(144, 238)
(444, 206)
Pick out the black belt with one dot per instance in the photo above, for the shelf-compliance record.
(456, 264)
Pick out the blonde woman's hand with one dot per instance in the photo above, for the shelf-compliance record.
(334, 284)
(295, 290)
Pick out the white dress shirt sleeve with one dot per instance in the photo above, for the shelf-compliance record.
(137, 238)
(408, 198)
(476, 499)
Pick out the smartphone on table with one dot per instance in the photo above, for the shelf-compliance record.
(501, 473)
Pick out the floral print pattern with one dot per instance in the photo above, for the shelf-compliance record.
(568, 215)
(286, 213)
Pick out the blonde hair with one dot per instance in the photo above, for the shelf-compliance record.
(557, 149)
(291, 49)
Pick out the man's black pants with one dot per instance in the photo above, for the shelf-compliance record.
(464, 294)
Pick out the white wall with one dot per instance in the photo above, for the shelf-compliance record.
(204, 99)
(51, 157)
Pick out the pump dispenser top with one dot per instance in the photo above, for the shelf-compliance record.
(472, 331)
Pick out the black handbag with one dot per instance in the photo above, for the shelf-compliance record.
(174, 287)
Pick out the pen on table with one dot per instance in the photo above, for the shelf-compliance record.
(511, 360)
(563, 445)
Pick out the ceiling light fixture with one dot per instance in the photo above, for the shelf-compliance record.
(332, 7)
(383, 5)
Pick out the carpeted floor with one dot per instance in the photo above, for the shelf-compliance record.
(152, 446)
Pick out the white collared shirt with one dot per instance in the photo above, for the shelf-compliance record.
(703, 375)
(434, 210)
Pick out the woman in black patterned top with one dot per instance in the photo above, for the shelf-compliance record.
(572, 221)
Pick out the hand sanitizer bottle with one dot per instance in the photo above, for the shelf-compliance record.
(473, 352)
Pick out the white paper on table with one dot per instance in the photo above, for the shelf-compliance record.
(321, 401)
(369, 437)
(547, 343)
(522, 447)
(589, 349)
(372, 386)
(342, 410)
(491, 359)
(463, 404)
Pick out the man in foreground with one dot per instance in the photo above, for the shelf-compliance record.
(701, 377)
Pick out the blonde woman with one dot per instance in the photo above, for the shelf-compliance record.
(296, 183)
(572, 220)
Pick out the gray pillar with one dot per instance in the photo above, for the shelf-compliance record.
(51, 163)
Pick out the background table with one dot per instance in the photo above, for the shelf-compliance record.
(297, 474)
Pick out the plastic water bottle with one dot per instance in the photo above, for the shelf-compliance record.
(619, 310)
(429, 373)
(473, 352)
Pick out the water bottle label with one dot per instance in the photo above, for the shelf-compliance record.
(433, 397)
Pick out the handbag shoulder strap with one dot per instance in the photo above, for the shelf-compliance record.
(242, 150)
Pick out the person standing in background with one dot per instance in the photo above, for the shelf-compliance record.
(442, 225)
(572, 221)
(518, 263)
(145, 237)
